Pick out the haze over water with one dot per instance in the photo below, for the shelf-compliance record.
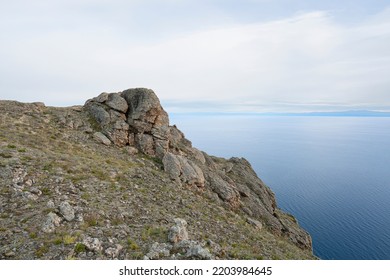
(331, 173)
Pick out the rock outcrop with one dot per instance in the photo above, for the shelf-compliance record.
(135, 118)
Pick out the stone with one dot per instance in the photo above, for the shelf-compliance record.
(50, 204)
(52, 221)
(179, 167)
(36, 191)
(98, 113)
(191, 250)
(103, 97)
(93, 244)
(158, 251)
(112, 252)
(172, 165)
(225, 190)
(131, 150)
(198, 252)
(145, 144)
(9, 254)
(67, 211)
(255, 223)
(30, 196)
(191, 173)
(178, 232)
(102, 138)
(145, 106)
(197, 155)
(116, 102)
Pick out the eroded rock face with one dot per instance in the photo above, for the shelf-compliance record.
(145, 111)
(181, 169)
(133, 117)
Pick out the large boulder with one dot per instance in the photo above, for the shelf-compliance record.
(145, 111)
(133, 117)
(117, 102)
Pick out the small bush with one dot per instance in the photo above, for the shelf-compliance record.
(80, 248)
(91, 220)
(46, 190)
(6, 155)
(68, 239)
(41, 251)
(132, 244)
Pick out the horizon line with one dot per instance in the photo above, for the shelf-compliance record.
(349, 113)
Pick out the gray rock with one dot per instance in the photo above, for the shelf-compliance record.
(112, 252)
(131, 150)
(52, 221)
(101, 98)
(145, 106)
(119, 133)
(93, 244)
(198, 252)
(179, 167)
(30, 196)
(102, 138)
(36, 191)
(225, 190)
(98, 113)
(158, 251)
(197, 155)
(145, 143)
(67, 211)
(191, 173)
(50, 204)
(116, 102)
(178, 232)
(190, 250)
(172, 165)
(255, 223)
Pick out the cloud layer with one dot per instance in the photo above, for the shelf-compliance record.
(305, 62)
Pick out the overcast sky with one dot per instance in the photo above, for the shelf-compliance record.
(200, 55)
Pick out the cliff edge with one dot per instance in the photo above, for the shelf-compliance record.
(114, 180)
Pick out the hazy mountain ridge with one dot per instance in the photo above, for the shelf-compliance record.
(107, 180)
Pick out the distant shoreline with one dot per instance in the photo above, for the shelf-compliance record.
(308, 114)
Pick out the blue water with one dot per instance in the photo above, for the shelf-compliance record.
(331, 173)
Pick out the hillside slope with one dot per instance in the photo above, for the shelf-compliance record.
(113, 180)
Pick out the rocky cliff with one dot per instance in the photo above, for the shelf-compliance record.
(113, 179)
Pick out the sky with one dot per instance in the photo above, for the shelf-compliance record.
(200, 55)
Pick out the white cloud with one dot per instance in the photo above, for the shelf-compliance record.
(305, 62)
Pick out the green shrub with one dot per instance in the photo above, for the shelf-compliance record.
(80, 248)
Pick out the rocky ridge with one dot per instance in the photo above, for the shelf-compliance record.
(95, 176)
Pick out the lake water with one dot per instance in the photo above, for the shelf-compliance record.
(331, 173)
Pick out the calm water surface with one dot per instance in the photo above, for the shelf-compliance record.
(331, 173)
